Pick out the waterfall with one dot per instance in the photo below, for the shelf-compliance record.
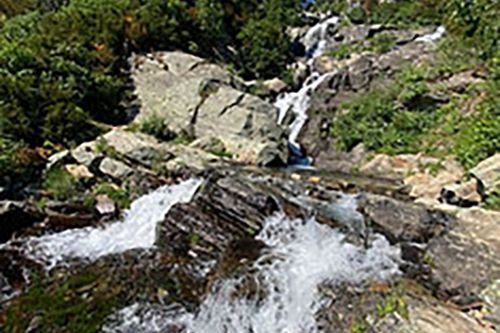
(302, 256)
(137, 230)
(298, 102)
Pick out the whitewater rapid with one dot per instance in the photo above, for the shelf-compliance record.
(136, 231)
(286, 298)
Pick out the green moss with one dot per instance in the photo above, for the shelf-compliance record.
(103, 147)
(78, 304)
(221, 153)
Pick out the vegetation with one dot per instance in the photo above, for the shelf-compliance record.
(79, 304)
(157, 127)
(397, 118)
(63, 64)
(119, 195)
(61, 185)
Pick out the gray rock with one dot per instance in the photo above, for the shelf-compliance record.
(86, 153)
(488, 174)
(174, 86)
(114, 168)
(461, 194)
(466, 260)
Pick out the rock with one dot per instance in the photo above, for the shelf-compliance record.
(226, 209)
(404, 222)
(466, 259)
(300, 71)
(275, 86)
(426, 315)
(360, 72)
(426, 176)
(86, 153)
(57, 159)
(105, 206)
(461, 194)
(204, 100)
(488, 174)
(115, 169)
(79, 171)
(402, 165)
(15, 216)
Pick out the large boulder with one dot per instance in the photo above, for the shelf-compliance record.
(201, 100)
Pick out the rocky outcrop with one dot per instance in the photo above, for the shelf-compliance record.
(200, 99)
(466, 260)
(488, 174)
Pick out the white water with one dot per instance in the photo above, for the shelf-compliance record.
(298, 102)
(136, 231)
(432, 37)
(303, 255)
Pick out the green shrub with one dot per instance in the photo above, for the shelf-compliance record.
(157, 127)
(119, 195)
(60, 185)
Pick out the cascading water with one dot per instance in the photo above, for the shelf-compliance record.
(298, 102)
(136, 231)
(285, 296)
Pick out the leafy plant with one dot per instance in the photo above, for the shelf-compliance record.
(60, 185)
(157, 127)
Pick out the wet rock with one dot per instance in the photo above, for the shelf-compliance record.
(115, 169)
(404, 222)
(15, 216)
(461, 194)
(488, 174)
(224, 210)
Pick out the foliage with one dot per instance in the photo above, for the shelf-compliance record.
(382, 124)
(264, 48)
(157, 127)
(119, 195)
(61, 185)
(493, 202)
(75, 305)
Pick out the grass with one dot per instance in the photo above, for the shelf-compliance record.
(78, 304)
(394, 120)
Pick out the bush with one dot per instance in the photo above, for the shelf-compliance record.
(60, 185)
(157, 127)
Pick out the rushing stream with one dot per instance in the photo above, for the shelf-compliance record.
(285, 297)
(137, 230)
(278, 293)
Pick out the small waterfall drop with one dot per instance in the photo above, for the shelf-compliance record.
(137, 230)
(298, 102)
(302, 256)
